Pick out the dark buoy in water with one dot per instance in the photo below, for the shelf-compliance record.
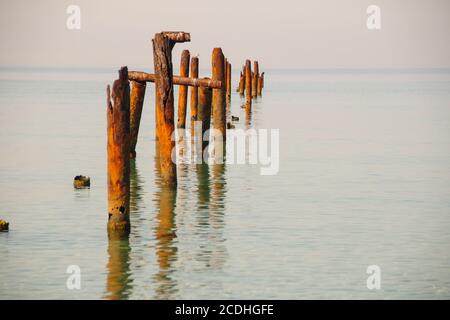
(4, 225)
(80, 182)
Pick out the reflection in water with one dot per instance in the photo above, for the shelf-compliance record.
(210, 224)
(248, 115)
(203, 191)
(118, 280)
(136, 190)
(166, 250)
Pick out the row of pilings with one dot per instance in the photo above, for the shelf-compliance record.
(208, 106)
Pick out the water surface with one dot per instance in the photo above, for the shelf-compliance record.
(364, 180)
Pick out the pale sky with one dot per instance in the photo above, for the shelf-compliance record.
(280, 34)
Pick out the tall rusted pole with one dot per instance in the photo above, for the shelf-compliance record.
(255, 78)
(136, 103)
(241, 88)
(248, 83)
(118, 131)
(228, 80)
(219, 103)
(259, 85)
(162, 55)
(183, 90)
(225, 70)
(194, 94)
(262, 80)
(204, 115)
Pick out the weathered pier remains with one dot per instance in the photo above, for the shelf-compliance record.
(118, 145)
(136, 104)
(183, 90)
(208, 107)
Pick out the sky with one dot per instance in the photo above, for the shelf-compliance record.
(279, 34)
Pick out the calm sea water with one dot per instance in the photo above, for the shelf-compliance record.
(364, 180)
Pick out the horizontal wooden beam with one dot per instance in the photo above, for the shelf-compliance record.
(185, 81)
(177, 36)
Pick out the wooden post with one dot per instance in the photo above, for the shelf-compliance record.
(255, 77)
(118, 130)
(248, 83)
(194, 94)
(204, 115)
(182, 97)
(262, 80)
(136, 103)
(228, 80)
(225, 70)
(242, 84)
(219, 103)
(162, 56)
(259, 85)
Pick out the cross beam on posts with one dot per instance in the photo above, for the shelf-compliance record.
(177, 80)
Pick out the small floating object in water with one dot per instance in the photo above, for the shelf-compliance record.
(230, 125)
(80, 182)
(234, 118)
(4, 225)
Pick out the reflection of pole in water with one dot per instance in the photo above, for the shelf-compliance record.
(218, 189)
(135, 187)
(118, 281)
(165, 233)
(210, 212)
(248, 116)
(203, 191)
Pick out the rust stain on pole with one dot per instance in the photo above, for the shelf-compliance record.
(255, 78)
(162, 56)
(204, 115)
(136, 103)
(150, 77)
(194, 94)
(262, 80)
(219, 104)
(248, 83)
(118, 131)
(183, 90)
(242, 83)
(228, 79)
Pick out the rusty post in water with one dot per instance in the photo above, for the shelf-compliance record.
(118, 130)
(162, 56)
(136, 103)
(228, 80)
(255, 77)
(248, 83)
(194, 94)
(219, 104)
(262, 80)
(183, 90)
(259, 85)
(242, 83)
(204, 115)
